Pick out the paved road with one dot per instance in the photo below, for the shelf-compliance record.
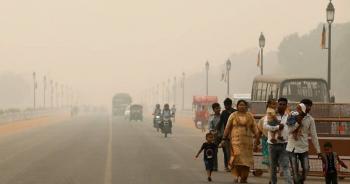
(94, 149)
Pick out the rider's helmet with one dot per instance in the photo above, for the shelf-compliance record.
(157, 106)
(166, 106)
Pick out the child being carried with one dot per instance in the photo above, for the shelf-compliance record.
(297, 117)
(273, 121)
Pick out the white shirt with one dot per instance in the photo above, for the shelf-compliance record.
(284, 131)
(301, 145)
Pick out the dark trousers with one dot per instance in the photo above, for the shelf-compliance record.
(304, 162)
(331, 178)
(215, 167)
(225, 150)
(227, 153)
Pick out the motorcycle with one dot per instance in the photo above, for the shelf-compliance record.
(157, 122)
(166, 126)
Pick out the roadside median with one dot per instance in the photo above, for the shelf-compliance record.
(21, 125)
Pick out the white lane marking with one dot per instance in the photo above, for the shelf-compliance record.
(108, 172)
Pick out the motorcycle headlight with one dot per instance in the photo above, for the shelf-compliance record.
(157, 117)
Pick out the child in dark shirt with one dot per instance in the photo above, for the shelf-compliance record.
(331, 163)
(210, 154)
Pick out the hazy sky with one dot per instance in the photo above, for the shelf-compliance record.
(102, 46)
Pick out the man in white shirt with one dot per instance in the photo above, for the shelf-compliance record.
(298, 147)
(277, 150)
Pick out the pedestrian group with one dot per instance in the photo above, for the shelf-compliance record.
(283, 135)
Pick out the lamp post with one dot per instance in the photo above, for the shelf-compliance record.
(163, 92)
(35, 86)
(262, 45)
(168, 91)
(330, 18)
(157, 94)
(183, 90)
(56, 87)
(228, 68)
(51, 91)
(174, 90)
(207, 76)
(62, 95)
(44, 92)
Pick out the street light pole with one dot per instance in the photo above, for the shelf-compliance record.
(168, 91)
(51, 86)
(44, 92)
(56, 87)
(35, 85)
(183, 90)
(228, 68)
(330, 18)
(174, 90)
(262, 45)
(207, 76)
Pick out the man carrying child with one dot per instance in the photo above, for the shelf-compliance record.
(277, 147)
(298, 144)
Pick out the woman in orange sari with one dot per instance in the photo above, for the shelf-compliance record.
(240, 129)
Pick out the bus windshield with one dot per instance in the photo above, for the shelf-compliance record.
(316, 90)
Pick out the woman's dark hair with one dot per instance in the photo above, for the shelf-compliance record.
(269, 102)
(215, 105)
(245, 102)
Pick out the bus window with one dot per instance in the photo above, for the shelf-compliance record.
(271, 91)
(254, 91)
(295, 90)
(263, 91)
(259, 91)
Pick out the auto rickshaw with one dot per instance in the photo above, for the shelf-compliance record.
(136, 112)
(201, 110)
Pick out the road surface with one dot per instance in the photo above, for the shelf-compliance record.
(95, 149)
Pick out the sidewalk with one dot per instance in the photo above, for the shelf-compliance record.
(17, 126)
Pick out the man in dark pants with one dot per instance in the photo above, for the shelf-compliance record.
(277, 150)
(221, 127)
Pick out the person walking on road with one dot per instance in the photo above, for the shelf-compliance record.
(277, 150)
(298, 147)
(330, 163)
(221, 126)
(241, 128)
(214, 119)
(210, 154)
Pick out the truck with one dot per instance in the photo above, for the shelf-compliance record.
(120, 102)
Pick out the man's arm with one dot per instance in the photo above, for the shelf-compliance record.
(341, 162)
(314, 136)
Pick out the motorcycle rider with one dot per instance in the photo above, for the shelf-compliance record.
(167, 114)
(157, 112)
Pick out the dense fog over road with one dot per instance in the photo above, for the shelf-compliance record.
(100, 47)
